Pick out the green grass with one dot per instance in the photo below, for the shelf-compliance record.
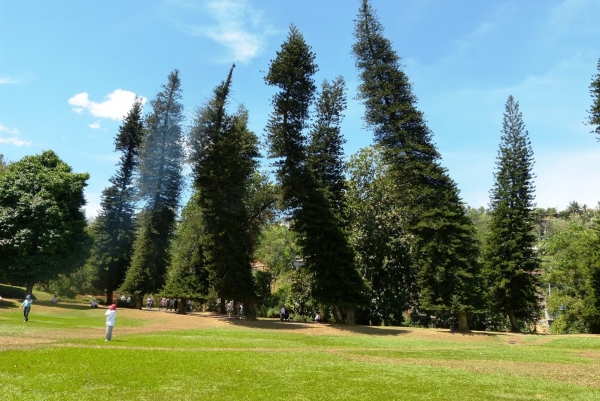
(245, 361)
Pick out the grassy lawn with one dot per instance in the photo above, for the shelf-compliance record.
(60, 354)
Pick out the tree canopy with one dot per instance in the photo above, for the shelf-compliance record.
(42, 224)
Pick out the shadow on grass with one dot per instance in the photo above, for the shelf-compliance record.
(64, 305)
(274, 324)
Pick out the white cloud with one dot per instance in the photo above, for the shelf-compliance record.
(240, 28)
(566, 176)
(94, 125)
(10, 136)
(5, 81)
(93, 205)
(115, 106)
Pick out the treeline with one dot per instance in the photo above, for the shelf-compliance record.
(380, 239)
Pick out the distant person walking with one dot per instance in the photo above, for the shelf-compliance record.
(229, 307)
(111, 315)
(282, 314)
(26, 307)
(240, 310)
(149, 303)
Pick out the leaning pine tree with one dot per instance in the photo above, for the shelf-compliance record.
(224, 153)
(114, 228)
(511, 259)
(443, 247)
(328, 256)
(159, 185)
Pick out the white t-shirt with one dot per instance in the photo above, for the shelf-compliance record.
(110, 317)
(282, 311)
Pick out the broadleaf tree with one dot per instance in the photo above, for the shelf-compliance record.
(42, 223)
(443, 248)
(379, 238)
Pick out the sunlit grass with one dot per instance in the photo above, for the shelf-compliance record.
(240, 360)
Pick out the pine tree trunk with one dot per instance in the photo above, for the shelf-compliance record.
(138, 301)
(249, 311)
(336, 314)
(181, 306)
(514, 325)
(463, 323)
(109, 297)
(350, 315)
(29, 288)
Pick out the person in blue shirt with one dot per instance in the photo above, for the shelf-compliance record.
(26, 307)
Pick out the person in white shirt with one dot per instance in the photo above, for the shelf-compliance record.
(111, 315)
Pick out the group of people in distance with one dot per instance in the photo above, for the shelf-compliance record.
(229, 308)
(284, 315)
(168, 304)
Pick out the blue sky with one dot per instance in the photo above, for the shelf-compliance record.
(69, 70)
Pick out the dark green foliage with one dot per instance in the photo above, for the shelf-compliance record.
(262, 285)
(291, 71)
(325, 150)
(511, 259)
(382, 247)
(594, 118)
(188, 276)
(223, 155)
(570, 258)
(151, 253)
(278, 246)
(42, 225)
(261, 199)
(443, 249)
(159, 185)
(301, 297)
(328, 255)
(114, 229)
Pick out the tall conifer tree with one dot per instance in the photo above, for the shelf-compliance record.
(224, 153)
(159, 184)
(512, 261)
(444, 251)
(328, 255)
(594, 118)
(325, 150)
(187, 277)
(114, 228)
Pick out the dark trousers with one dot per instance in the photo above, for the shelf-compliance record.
(26, 313)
